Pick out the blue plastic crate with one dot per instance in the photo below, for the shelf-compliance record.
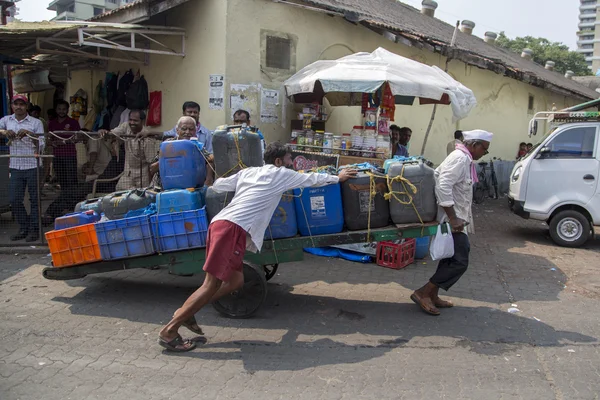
(125, 238)
(181, 230)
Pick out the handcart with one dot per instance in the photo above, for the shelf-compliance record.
(258, 267)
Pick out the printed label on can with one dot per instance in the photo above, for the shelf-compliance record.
(317, 207)
(363, 201)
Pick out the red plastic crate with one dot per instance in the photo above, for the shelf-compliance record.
(396, 256)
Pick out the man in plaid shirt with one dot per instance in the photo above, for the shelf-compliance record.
(25, 136)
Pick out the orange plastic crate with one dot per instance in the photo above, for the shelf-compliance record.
(73, 246)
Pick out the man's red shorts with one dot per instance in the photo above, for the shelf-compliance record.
(225, 248)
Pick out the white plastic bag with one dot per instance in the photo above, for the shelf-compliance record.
(442, 245)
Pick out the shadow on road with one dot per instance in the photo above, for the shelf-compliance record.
(366, 329)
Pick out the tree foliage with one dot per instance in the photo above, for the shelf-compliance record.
(544, 50)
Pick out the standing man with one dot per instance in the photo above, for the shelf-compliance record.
(140, 150)
(258, 190)
(458, 138)
(454, 180)
(65, 153)
(26, 138)
(241, 117)
(400, 139)
(192, 109)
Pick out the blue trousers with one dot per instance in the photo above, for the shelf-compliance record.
(21, 179)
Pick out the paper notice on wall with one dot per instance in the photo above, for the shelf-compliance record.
(269, 106)
(244, 97)
(216, 92)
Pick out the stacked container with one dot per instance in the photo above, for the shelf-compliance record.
(318, 210)
(360, 207)
(234, 147)
(181, 164)
(422, 177)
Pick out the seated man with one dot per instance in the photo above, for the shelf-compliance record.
(186, 129)
(240, 226)
(204, 135)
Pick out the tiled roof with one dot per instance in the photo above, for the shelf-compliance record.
(436, 35)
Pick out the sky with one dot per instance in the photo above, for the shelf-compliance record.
(555, 20)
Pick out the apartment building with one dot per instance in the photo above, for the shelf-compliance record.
(80, 10)
(588, 43)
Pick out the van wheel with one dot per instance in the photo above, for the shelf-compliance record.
(570, 228)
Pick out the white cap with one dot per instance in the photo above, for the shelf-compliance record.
(478, 134)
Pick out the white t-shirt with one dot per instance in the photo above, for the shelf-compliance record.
(258, 191)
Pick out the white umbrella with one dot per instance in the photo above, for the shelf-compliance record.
(363, 72)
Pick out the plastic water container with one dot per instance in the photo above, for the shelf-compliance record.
(422, 247)
(76, 219)
(215, 202)
(91, 204)
(181, 164)
(232, 144)
(116, 205)
(283, 222)
(178, 200)
(357, 202)
(319, 210)
(422, 177)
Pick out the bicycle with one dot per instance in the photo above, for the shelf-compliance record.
(483, 187)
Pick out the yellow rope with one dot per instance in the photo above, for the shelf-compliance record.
(240, 163)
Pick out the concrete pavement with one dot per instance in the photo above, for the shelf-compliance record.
(330, 329)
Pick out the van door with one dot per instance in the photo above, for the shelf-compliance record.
(564, 170)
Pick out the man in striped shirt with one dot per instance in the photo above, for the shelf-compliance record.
(25, 136)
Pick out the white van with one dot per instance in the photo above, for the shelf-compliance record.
(557, 181)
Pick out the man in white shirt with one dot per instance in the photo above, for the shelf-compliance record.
(454, 180)
(25, 136)
(258, 191)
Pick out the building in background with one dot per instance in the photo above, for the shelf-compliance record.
(80, 10)
(588, 43)
(8, 11)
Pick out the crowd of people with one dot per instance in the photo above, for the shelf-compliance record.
(122, 158)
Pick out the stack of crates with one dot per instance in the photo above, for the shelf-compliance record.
(181, 221)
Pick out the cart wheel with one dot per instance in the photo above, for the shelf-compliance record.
(270, 270)
(246, 301)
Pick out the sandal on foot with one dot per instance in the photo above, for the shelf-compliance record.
(189, 324)
(439, 303)
(178, 344)
(418, 302)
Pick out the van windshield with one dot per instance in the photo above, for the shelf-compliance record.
(535, 146)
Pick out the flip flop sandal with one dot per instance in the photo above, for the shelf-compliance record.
(177, 345)
(418, 302)
(189, 324)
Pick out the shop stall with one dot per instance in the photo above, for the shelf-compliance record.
(376, 82)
